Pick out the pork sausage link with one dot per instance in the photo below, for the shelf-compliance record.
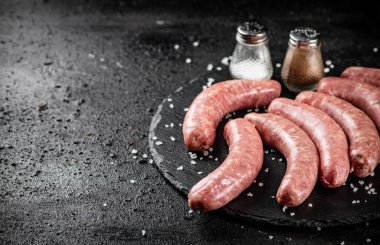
(362, 74)
(300, 153)
(209, 107)
(364, 141)
(326, 134)
(362, 95)
(236, 173)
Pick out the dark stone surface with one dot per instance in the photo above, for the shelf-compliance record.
(69, 119)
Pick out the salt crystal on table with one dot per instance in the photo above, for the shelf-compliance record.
(272, 197)
(266, 170)
(171, 106)
(310, 205)
(292, 214)
(172, 138)
(209, 67)
(154, 137)
(218, 68)
(225, 61)
(368, 240)
(375, 50)
(205, 153)
(158, 142)
(170, 99)
(210, 149)
(372, 174)
(199, 172)
(104, 204)
(160, 22)
(342, 243)
(319, 228)
(150, 161)
(102, 59)
(216, 159)
(284, 208)
(166, 126)
(326, 69)
(134, 151)
(261, 184)
(134, 157)
(132, 181)
(249, 194)
(180, 168)
(188, 60)
(355, 189)
(278, 65)
(118, 64)
(185, 109)
(144, 155)
(270, 237)
(91, 56)
(328, 62)
(193, 162)
(176, 46)
(171, 125)
(361, 182)
(196, 43)
(143, 232)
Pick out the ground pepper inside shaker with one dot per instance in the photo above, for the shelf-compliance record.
(251, 58)
(303, 64)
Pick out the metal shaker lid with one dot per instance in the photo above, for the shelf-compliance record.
(304, 37)
(251, 33)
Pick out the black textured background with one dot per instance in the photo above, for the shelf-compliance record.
(69, 119)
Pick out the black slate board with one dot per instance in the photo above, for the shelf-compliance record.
(330, 207)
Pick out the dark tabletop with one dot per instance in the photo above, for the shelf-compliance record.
(79, 84)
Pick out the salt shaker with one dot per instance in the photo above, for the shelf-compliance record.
(251, 58)
(303, 65)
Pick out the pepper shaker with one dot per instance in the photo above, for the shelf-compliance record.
(303, 65)
(251, 58)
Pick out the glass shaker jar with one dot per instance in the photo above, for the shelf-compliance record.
(251, 58)
(303, 65)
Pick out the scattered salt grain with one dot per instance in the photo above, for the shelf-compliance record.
(328, 62)
(319, 228)
(201, 158)
(134, 151)
(91, 56)
(193, 155)
(355, 189)
(204, 87)
(193, 162)
(102, 59)
(112, 163)
(210, 149)
(249, 110)
(284, 208)
(188, 60)
(205, 153)
(218, 68)
(172, 138)
(280, 159)
(372, 174)
(143, 232)
(225, 61)
(261, 184)
(180, 124)
(332, 66)
(150, 161)
(326, 69)
(196, 43)
(185, 109)
(292, 214)
(134, 157)
(209, 67)
(249, 194)
(191, 211)
(159, 143)
(160, 22)
(342, 243)
(199, 172)
(176, 46)
(166, 125)
(368, 240)
(273, 158)
(171, 106)
(104, 204)
(278, 65)
(210, 81)
(266, 151)
(310, 205)
(270, 237)
(154, 138)
(266, 170)
(180, 168)
(144, 155)
(118, 64)
(375, 50)
(272, 197)
(210, 156)
(132, 181)
(256, 109)
(169, 99)
(228, 116)
(361, 182)
(216, 159)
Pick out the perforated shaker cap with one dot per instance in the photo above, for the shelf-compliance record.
(251, 33)
(304, 37)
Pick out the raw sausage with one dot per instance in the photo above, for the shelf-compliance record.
(326, 134)
(237, 172)
(362, 95)
(364, 141)
(362, 74)
(300, 153)
(209, 107)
